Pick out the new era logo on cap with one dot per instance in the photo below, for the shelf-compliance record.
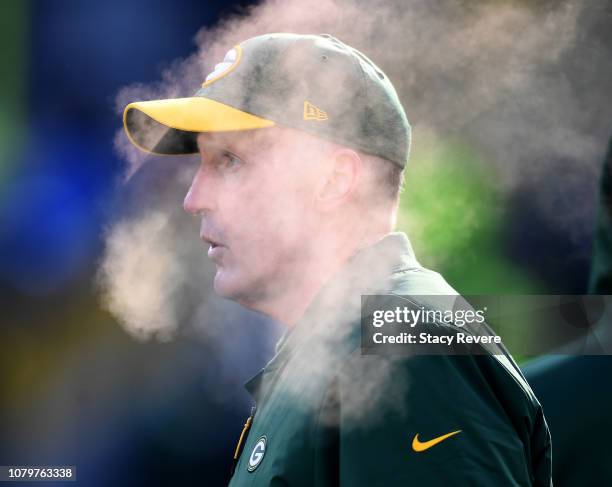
(312, 112)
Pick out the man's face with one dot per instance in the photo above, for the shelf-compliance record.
(253, 191)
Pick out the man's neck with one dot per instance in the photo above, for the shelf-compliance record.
(289, 303)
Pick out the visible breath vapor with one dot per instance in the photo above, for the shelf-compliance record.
(140, 275)
(508, 77)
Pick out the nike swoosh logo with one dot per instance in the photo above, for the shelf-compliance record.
(426, 445)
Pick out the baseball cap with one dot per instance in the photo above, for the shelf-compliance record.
(313, 83)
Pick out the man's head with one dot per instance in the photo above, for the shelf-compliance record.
(302, 141)
(274, 200)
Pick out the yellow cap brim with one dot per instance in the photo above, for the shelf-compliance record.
(170, 126)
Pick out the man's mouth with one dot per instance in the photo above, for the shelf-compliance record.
(211, 241)
(216, 247)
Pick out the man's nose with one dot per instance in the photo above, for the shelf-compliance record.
(199, 198)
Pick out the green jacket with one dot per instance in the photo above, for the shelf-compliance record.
(327, 415)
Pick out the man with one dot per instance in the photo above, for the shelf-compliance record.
(303, 142)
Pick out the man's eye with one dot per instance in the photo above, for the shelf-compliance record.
(230, 161)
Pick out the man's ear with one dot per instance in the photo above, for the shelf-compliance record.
(339, 180)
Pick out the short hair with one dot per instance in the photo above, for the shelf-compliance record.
(387, 178)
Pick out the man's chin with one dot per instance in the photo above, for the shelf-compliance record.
(227, 285)
(232, 287)
(224, 285)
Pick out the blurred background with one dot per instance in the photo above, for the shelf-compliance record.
(501, 197)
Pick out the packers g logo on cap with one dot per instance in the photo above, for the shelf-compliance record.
(259, 450)
(229, 63)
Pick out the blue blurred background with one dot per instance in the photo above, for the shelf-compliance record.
(76, 388)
